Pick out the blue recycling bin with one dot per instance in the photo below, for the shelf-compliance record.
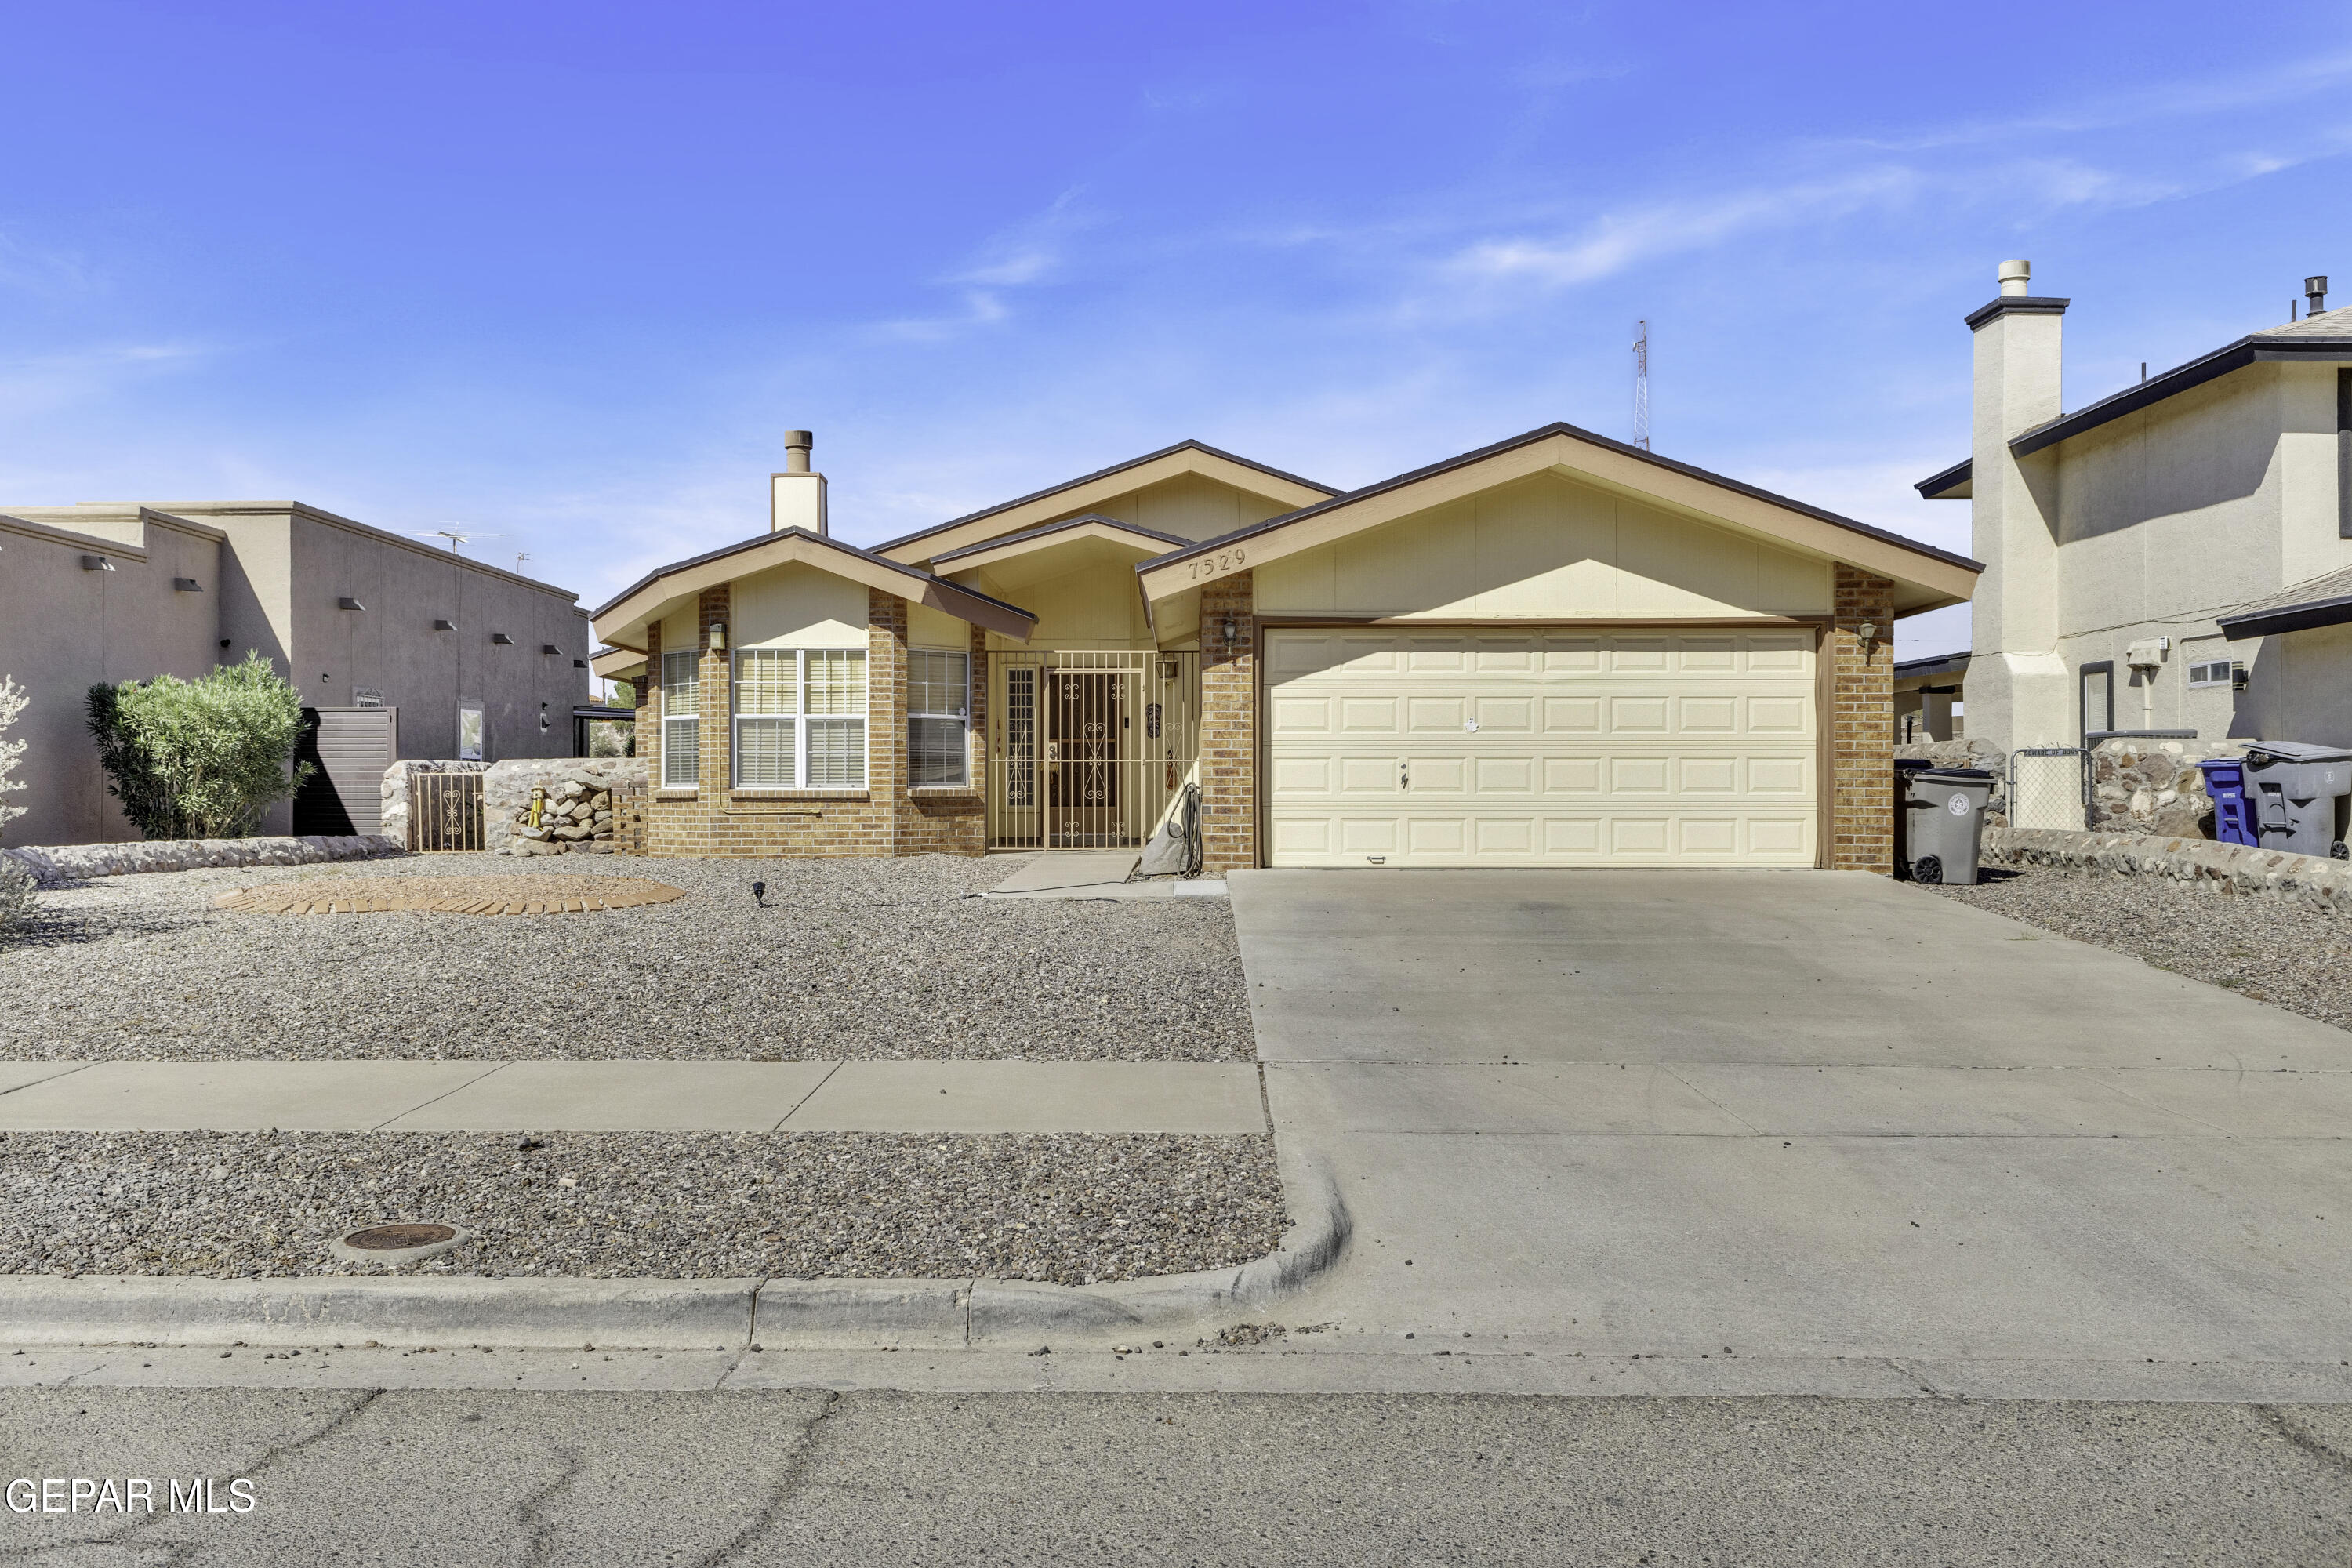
(2233, 817)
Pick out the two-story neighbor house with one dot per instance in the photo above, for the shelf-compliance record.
(2176, 555)
(1556, 651)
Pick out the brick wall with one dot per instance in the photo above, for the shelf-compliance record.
(1228, 727)
(881, 819)
(1861, 727)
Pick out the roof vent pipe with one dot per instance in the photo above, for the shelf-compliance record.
(2315, 292)
(2016, 277)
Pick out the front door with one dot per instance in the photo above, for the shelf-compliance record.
(1084, 721)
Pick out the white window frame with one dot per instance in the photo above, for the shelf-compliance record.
(2202, 679)
(672, 722)
(801, 721)
(961, 715)
(477, 752)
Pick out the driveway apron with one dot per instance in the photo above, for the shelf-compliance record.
(1794, 1114)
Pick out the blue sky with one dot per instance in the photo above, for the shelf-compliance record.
(565, 273)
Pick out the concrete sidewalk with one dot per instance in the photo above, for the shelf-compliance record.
(633, 1096)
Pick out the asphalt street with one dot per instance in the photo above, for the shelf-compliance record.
(432, 1477)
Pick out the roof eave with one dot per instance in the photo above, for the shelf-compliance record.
(2303, 618)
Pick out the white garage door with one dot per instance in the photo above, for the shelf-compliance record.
(1455, 747)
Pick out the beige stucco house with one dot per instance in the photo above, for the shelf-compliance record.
(1557, 650)
(2174, 556)
(400, 648)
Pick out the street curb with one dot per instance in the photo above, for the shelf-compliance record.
(653, 1314)
(135, 1309)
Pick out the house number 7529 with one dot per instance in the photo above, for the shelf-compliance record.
(1222, 560)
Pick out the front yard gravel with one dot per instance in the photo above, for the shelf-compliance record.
(875, 958)
(1071, 1208)
(2267, 949)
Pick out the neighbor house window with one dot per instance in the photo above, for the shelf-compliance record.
(2213, 672)
(681, 719)
(939, 701)
(800, 718)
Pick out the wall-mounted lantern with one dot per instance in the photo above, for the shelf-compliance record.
(348, 603)
(501, 639)
(186, 585)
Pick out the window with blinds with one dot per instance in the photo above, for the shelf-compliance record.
(800, 718)
(939, 701)
(681, 689)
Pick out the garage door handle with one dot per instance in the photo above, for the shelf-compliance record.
(1404, 775)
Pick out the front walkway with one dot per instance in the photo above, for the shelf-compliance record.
(1797, 1116)
(633, 1096)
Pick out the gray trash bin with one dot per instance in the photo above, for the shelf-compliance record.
(2293, 788)
(1943, 823)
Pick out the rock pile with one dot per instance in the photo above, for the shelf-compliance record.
(555, 805)
(52, 864)
(2155, 786)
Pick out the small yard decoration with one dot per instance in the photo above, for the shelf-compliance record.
(203, 758)
(523, 895)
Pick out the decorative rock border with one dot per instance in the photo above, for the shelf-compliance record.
(2230, 869)
(51, 864)
(451, 895)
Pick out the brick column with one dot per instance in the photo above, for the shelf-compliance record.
(649, 730)
(976, 735)
(715, 770)
(1860, 725)
(1228, 727)
(885, 710)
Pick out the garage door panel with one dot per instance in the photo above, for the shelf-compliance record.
(1466, 748)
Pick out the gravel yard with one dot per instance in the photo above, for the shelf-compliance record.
(2267, 949)
(1071, 1208)
(851, 958)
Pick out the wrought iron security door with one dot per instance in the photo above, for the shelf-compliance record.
(1085, 747)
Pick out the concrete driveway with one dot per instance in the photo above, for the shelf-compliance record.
(1807, 1116)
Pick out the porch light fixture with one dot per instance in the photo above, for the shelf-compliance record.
(719, 636)
(1868, 631)
(1229, 631)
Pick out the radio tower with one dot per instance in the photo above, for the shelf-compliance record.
(1642, 384)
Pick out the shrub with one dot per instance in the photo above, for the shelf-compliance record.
(12, 702)
(204, 758)
(16, 892)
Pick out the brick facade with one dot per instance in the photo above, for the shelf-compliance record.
(1228, 727)
(1860, 727)
(883, 819)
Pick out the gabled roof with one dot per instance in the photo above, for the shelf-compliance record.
(1184, 456)
(2322, 601)
(1946, 577)
(2326, 336)
(1088, 525)
(665, 583)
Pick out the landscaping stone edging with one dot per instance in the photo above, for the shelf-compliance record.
(650, 1314)
(2231, 869)
(52, 864)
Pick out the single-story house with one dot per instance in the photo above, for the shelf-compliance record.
(399, 648)
(1927, 697)
(1556, 651)
(2174, 556)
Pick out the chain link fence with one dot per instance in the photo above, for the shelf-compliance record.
(2049, 787)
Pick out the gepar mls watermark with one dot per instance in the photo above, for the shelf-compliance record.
(130, 1494)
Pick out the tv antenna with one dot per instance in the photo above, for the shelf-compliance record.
(457, 538)
(1642, 383)
(520, 559)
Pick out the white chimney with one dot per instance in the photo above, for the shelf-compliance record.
(796, 496)
(2018, 688)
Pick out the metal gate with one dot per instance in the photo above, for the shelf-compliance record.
(1086, 749)
(445, 811)
(2050, 786)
